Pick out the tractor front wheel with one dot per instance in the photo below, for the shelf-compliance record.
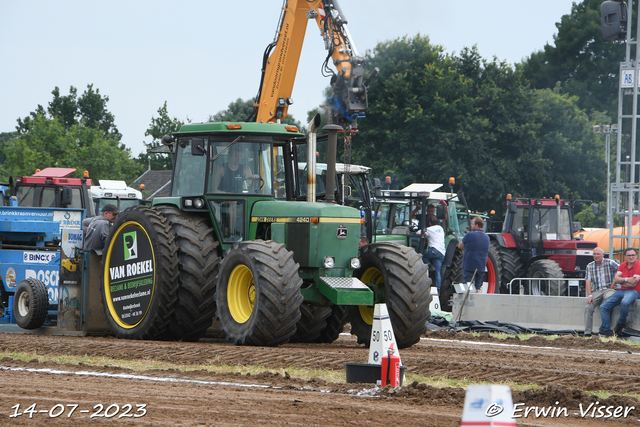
(258, 293)
(400, 279)
(546, 268)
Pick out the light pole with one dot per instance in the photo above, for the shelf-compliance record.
(608, 130)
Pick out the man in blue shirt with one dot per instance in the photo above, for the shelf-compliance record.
(475, 245)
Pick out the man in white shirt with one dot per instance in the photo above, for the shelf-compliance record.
(435, 253)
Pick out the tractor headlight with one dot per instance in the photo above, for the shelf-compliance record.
(329, 262)
(355, 263)
(198, 203)
(188, 203)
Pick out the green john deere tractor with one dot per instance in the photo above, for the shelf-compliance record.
(392, 222)
(237, 240)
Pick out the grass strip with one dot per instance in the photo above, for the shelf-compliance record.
(306, 374)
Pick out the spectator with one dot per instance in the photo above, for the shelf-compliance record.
(98, 229)
(599, 285)
(475, 245)
(628, 275)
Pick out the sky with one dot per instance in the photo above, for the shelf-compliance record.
(199, 55)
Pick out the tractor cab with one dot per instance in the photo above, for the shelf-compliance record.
(535, 220)
(54, 188)
(537, 241)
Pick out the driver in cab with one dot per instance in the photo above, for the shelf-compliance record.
(233, 176)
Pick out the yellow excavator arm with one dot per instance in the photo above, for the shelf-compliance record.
(280, 64)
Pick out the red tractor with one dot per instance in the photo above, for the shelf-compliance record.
(537, 242)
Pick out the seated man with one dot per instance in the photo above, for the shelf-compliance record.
(628, 275)
(231, 176)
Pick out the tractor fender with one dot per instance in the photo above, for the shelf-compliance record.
(505, 240)
(448, 256)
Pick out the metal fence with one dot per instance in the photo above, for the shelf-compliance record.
(548, 287)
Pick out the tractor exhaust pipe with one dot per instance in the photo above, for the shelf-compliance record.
(311, 158)
(332, 148)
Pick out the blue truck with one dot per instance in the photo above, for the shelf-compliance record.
(45, 274)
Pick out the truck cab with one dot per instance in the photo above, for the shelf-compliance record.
(117, 193)
(54, 188)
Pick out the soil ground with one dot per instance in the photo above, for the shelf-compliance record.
(564, 370)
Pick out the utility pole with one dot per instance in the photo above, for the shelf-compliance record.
(624, 193)
(608, 130)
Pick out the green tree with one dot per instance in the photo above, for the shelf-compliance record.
(90, 109)
(159, 127)
(73, 132)
(49, 144)
(432, 116)
(581, 62)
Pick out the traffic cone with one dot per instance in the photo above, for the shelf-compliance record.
(488, 405)
(382, 337)
(435, 300)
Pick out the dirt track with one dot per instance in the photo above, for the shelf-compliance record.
(563, 369)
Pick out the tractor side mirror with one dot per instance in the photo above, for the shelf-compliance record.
(197, 147)
(66, 197)
(441, 212)
(513, 207)
(596, 209)
(576, 226)
(346, 190)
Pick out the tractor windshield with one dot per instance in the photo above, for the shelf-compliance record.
(223, 165)
(241, 168)
(547, 226)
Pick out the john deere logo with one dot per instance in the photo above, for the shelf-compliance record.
(130, 245)
(342, 232)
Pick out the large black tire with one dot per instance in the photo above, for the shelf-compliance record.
(546, 268)
(198, 264)
(313, 321)
(155, 244)
(30, 303)
(258, 293)
(451, 276)
(401, 280)
(511, 267)
(335, 324)
(493, 275)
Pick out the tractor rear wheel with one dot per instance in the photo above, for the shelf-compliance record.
(313, 320)
(335, 324)
(511, 267)
(452, 275)
(544, 268)
(199, 260)
(30, 304)
(493, 275)
(140, 274)
(258, 293)
(400, 279)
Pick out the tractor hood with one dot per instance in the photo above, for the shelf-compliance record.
(302, 211)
